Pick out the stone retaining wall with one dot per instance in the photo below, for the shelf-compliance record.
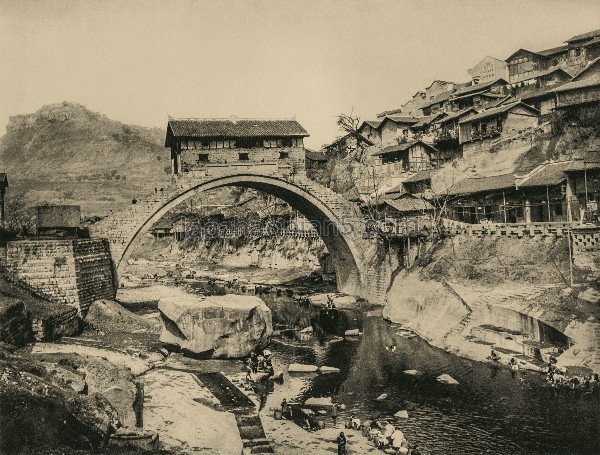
(70, 272)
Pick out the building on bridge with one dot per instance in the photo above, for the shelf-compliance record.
(211, 147)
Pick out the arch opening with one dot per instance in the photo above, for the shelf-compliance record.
(330, 225)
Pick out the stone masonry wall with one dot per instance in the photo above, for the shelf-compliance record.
(255, 155)
(69, 272)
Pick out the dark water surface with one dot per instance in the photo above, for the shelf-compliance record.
(492, 411)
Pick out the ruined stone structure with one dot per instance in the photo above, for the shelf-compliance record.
(266, 155)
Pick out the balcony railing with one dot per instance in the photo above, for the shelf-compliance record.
(553, 228)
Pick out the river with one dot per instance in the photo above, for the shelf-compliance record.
(492, 411)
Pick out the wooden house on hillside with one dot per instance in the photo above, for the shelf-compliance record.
(582, 90)
(501, 121)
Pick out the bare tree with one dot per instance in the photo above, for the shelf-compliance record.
(349, 124)
(19, 216)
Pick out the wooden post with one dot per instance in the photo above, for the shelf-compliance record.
(548, 202)
(586, 187)
(568, 196)
(2, 214)
(504, 205)
(527, 211)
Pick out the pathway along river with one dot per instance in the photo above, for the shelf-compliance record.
(491, 411)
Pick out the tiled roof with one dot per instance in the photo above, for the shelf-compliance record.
(546, 72)
(583, 36)
(499, 110)
(427, 120)
(420, 176)
(455, 115)
(408, 203)
(482, 185)
(554, 50)
(592, 42)
(538, 92)
(583, 83)
(373, 123)
(477, 87)
(392, 112)
(395, 148)
(439, 98)
(401, 147)
(523, 51)
(553, 173)
(198, 128)
(314, 156)
(589, 66)
(395, 190)
(400, 119)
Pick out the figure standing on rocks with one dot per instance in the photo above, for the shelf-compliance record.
(341, 441)
(335, 411)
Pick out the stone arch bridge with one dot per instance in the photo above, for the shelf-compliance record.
(337, 220)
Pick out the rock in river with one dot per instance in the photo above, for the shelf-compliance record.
(227, 326)
(447, 379)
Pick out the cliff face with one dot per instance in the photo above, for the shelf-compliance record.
(265, 252)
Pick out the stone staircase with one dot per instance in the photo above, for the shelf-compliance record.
(253, 436)
(244, 409)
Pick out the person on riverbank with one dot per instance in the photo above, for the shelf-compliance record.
(341, 442)
(335, 411)
(494, 357)
(286, 409)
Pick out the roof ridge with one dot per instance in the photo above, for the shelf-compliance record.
(225, 119)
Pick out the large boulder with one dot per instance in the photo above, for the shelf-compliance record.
(15, 324)
(226, 326)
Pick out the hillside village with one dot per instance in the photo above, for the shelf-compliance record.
(484, 150)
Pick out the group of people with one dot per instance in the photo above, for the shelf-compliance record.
(587, 383)
(557, 377)
(384, 435)
(261, 362)
(494, 357)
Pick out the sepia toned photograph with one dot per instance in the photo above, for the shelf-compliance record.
(297, 227)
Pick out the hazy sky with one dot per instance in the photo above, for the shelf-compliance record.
(140, 61)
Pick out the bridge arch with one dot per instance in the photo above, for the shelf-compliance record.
(340, 230)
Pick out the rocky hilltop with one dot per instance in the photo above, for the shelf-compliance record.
(66, 154)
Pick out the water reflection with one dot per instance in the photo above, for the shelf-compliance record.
(491, 411)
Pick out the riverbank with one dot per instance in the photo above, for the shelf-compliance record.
(469, 296)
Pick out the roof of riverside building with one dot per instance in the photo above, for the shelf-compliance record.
(407, 203)
(482, 184)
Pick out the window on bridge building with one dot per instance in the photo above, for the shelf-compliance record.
(203, 158)
(283, 155)
(244, 156)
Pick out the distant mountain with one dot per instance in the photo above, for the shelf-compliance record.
(67, 154)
